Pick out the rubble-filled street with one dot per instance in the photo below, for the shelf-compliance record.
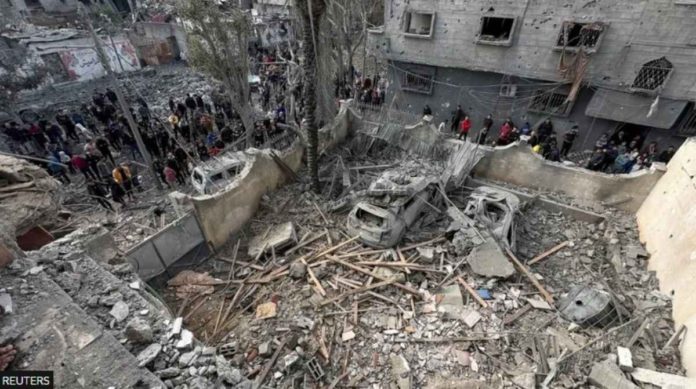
(336, 194)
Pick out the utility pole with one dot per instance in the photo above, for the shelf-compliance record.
(119, 94)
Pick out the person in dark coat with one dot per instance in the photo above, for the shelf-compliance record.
(98, 193)
(456, 118)
(568, 140)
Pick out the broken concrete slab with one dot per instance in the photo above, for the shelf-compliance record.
(538, 303)
(488, 260)
(664, 380)
(149, 354)
(276, 239)
(606, 375)
(401, 371)
(298, 270)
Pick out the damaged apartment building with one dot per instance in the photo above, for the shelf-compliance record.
(602, 65)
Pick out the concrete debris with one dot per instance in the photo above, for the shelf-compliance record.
(298, 270)
(229, 374)
(489, 260)
(265, 349)
(176, 327)
(525, 380)
(289, 360)
(119, 311)
(471, 318)
(347, 336)
(663, 380)
(149, 354)
(606, 375)
(266, 310)
(134, 285)
(538, 303)
(401, 371)
(275, 239)
(5, 303)
(186, 339)
(625, 358)
(139, 331)
(186, 359)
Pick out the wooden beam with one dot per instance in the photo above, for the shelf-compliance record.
(358, 290)
(369, 273)
(548, 252)
(472, 292)
(547, 296)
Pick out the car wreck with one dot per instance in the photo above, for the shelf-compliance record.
(394, 202)
(216, 173)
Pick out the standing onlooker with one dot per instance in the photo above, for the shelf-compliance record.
(464, 127)
(122, 176)
(95, 190)
(487, 125)
(568, 140)
(457, 117)
(103, 146)
(170, 177)
(83, 166)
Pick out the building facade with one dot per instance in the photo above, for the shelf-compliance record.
(603, 65)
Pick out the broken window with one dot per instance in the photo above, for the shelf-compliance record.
(496, 30)
(653, 75)
(419, 24)
(576, 35)
(417, 82)
(550, 102)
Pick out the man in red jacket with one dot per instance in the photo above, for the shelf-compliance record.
(464, 127)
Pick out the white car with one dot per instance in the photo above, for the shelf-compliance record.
(214, 174)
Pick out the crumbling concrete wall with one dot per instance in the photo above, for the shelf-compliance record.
(667, 221)
(226, 212)
(516, 164)
(163, 41)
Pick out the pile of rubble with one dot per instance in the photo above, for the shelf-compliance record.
(468, 298)
(112, 295)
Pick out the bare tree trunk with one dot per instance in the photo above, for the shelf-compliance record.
(310, 28)
(246, 112)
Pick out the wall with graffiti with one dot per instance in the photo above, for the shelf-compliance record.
(83, 63)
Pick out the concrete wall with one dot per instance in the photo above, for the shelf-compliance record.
(516, 164)
(667, 223)
(80, 60)
(638, 31)
(226, 212)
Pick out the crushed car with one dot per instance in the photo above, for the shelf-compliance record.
(393, 203)
(216, 173)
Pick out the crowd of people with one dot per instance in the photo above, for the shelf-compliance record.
(96, 142)
(614, 154)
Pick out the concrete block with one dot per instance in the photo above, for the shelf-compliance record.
(625, 358)
(606, 375)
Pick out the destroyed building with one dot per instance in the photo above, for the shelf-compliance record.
(260, 281)
(421, 262)
(601, 65)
